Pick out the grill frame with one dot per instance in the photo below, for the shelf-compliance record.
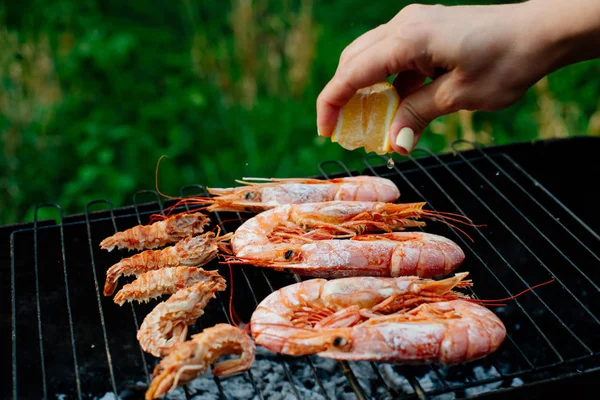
(549, 375)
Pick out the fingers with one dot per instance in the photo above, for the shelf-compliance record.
(362, 42)
(417, 110)
(371, 65)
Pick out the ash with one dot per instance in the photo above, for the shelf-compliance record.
(272, 382)
(269, 378)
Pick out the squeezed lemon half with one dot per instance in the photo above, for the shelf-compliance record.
(365, 120)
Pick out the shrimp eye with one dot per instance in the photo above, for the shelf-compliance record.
(249, 196)
(339, 341)
(289, 254)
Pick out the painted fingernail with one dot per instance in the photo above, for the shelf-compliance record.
(406, 139)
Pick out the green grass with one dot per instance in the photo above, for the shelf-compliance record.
(93, 93)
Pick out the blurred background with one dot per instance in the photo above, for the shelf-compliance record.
(93, 93)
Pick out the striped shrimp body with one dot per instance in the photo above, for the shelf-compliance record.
(158, 234)
(152, 284)
(166, 325)
(190, 359)
(387, 255)
(193, 251)
(258, 197)
(405, 320)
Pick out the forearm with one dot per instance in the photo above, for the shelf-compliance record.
(566, 31)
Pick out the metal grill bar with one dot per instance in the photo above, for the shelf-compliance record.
(418, 389)
(66, 280)
(533, 361)
(279, 358)
(345, 366)
(98, 295)
(507, 263)
(541, 187)
(13, 318)
(133, 312)
(38, 306)
(460, 237)
(198, 324)
(216, 379)
(481, 260)
(219, 296)
(434, 368)
(487, 181)
(537, 327)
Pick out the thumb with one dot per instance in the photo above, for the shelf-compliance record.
(418, 109)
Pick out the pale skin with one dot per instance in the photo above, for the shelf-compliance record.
(477, 57)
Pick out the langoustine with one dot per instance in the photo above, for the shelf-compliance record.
(388, 255)
(187, 360)
(193, 251)
(152, 284)
(158, 234)
(259, 196)
(298, 237)
(404, 320)
(167, 324)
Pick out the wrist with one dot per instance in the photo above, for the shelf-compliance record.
(559, 32)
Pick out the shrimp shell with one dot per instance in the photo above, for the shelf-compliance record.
(150, 285)
(190, 359)
(388, 255)
(258, 197)
(166, 325)
(193, 251)
(450, 332)
(158, 234)
(405, 319)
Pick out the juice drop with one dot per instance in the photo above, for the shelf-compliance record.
(390, 163)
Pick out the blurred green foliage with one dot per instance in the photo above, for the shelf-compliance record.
(93, 93)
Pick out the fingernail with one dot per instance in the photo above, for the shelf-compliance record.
(405, 139)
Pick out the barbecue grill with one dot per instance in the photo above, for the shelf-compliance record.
(61, 338)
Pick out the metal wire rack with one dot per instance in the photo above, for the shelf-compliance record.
(67, 339)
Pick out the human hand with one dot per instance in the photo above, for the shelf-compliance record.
(478, 57)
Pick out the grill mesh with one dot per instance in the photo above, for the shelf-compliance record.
(67, 338)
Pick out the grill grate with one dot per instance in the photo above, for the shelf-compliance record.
(67, 339)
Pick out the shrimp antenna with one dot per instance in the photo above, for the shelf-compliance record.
(233, 315)
(452, 220)
(496, 302)
(156, 179)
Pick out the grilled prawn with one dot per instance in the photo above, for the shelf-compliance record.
(389, 254)
(407, 319)
(166, 325)
(187, 360)
(258, 197)
(152, 284)
(158, 234)
(276, 234)
(193, 251)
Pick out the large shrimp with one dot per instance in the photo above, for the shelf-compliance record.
(390, 254)
(406, 319)
(152, 284)
(193, 251)
(327, 220)
(190, 359)
(157, 234)
(166, 325)
(258, 197)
